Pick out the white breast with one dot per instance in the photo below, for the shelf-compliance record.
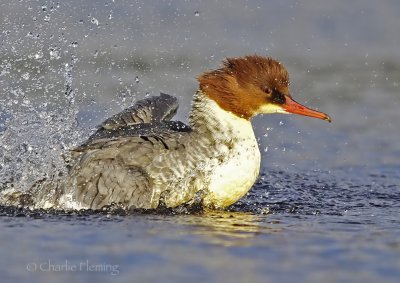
(239, 165)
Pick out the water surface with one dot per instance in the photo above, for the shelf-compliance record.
(326, 206)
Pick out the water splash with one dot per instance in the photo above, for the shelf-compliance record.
(35, 133)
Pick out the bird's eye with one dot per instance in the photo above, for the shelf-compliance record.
(278, 98)
(267, 90)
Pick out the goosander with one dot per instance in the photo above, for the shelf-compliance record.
(139, 158)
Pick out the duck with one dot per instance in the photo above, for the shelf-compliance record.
(142, 159)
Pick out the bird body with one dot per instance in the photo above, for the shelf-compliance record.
(139, 158)
(168, 166)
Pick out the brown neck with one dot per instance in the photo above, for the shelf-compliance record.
(229, 95)
(207, 115)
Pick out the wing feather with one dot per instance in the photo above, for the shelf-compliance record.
(112, 166)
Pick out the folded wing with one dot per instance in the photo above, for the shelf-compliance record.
(111, 167)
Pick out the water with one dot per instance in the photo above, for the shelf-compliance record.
(326, 206)
(320, 226)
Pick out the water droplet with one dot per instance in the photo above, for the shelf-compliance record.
(147, 94)
(55, 53)
(38, 55)
(74, 44)
(47, 18)
(266, 149)
(26, 102)
(74, 59)
(25, 76)
(137, 79)
(281, 123)
(94, 21)
(44, 8)
(284, 149)
(197, 13)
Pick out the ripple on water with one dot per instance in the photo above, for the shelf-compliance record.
(339, 192)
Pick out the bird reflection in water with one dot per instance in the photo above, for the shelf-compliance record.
(228, 228)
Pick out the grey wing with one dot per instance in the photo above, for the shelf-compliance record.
(114, 171)
(140, 119)
(109, 167)
(149, 110)
(104, 182)
(137, 130)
